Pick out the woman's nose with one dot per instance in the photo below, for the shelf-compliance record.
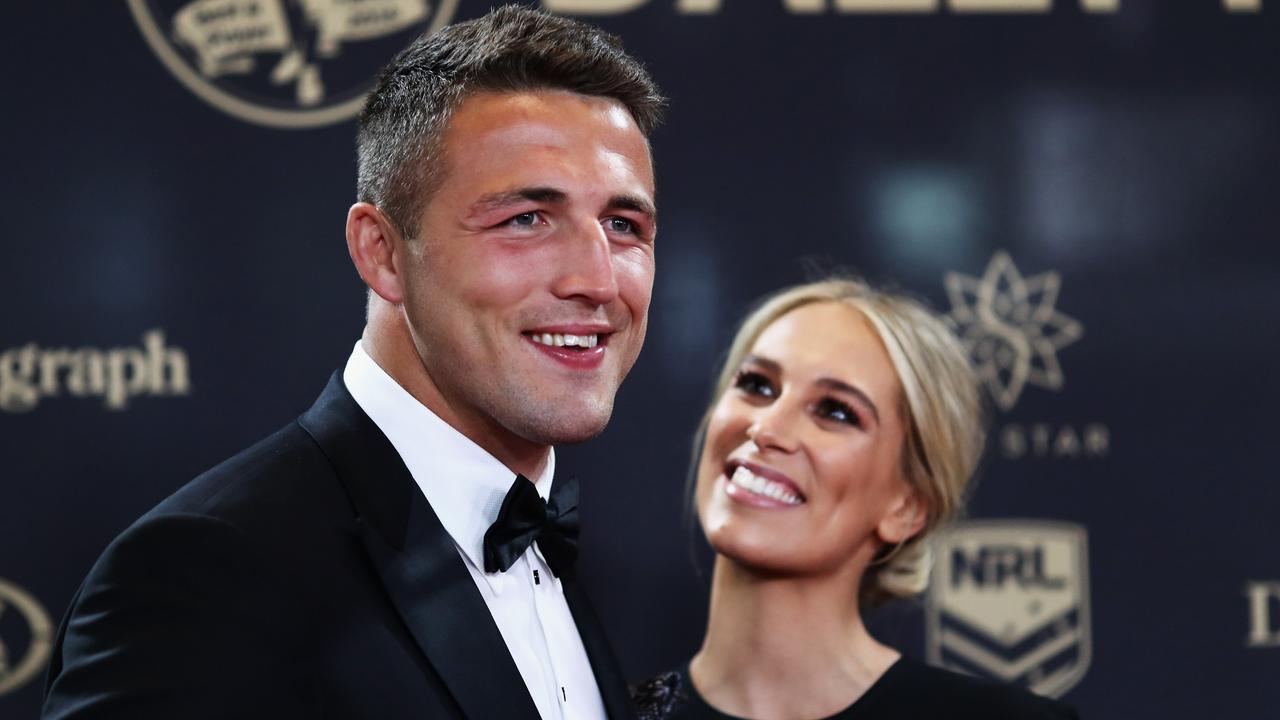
(774, 427)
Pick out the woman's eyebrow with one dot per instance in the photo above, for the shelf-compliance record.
(829, 383)
(844, 387)
(763, 362)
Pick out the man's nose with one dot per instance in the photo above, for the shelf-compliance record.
(586, 266)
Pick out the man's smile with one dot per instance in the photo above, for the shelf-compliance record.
(576, 347)
(565, 340)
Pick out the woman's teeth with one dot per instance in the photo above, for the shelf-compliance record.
(558, 340)
(744, 478)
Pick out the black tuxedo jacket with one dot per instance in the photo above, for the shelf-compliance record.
(306, 577)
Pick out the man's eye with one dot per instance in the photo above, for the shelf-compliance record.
(837, 411)
(528, 219)
(620, 225)
(753, 383)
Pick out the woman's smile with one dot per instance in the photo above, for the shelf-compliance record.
(759, 486)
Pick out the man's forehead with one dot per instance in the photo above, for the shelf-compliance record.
(502, 143)
(497, 111)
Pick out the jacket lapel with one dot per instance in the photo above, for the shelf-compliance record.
(609, 677)
(418, 562)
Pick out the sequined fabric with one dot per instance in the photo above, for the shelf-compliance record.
(659, 697)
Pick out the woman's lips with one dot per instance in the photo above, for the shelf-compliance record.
(760, 487)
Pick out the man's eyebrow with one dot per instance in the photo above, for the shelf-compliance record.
(499, 200)
(635, 203)
(826, 382)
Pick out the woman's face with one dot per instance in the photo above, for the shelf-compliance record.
(800, 467)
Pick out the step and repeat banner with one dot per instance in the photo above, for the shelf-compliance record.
(1088, 189)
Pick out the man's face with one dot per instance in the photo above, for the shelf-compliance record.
(527, 289)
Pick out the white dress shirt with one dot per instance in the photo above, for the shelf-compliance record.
(465, 486)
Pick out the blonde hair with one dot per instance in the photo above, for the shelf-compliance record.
(940, 406)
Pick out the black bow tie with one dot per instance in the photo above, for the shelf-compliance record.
(525, 517)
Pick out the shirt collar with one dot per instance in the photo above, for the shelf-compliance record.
(464, 483)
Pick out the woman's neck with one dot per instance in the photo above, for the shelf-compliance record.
(785, 648)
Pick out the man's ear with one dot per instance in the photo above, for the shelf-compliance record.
(905, 518)
(377, 250)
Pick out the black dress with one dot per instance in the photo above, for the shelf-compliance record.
(910, 690)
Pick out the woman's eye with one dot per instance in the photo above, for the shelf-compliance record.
(753, 383)
(837, 411)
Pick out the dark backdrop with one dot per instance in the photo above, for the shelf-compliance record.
(1107, 180)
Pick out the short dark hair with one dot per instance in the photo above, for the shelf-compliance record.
(511, 49)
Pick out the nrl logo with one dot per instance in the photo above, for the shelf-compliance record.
(22, 613)
(1011, 328)
(1009, 600)
(283, 63)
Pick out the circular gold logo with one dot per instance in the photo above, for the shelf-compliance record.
(38, 639)
(286, 64)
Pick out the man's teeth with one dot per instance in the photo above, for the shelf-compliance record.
(744, 478)
(559, 340)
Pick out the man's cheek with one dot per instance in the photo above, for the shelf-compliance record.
(499, 282)
(635, 281)
(638, 258)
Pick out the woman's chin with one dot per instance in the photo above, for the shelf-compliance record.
(754, 551)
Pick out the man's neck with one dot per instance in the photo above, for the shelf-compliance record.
(395, 353)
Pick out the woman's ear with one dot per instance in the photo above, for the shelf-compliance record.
(905, 518)
(376, 248)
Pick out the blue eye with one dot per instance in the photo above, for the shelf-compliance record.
(620, 225)
(524, 219)
(836, 411)
(753, 383)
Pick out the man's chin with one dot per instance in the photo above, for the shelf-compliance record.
(567, 425)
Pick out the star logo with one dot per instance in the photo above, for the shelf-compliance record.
(1011, 328)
